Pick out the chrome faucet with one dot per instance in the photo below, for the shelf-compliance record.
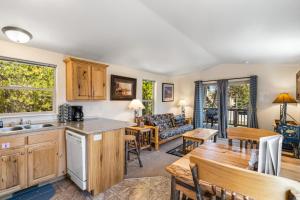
(21, 121)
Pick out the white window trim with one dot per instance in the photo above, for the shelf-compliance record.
(53, 112)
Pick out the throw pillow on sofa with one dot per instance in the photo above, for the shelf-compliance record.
(162, 124)
(179, 120)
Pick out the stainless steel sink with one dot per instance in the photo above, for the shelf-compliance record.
(24, 127)
(9, 129)
(37, 126)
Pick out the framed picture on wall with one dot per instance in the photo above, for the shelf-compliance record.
(122, 88)
(298, 86)
(167, 92)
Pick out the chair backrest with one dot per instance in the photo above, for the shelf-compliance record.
(245, 182)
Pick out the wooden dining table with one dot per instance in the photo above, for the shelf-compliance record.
(232, 155)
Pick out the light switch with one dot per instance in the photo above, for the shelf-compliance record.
(5, 145)
(97, 137)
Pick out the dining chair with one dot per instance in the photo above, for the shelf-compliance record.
(213, 180)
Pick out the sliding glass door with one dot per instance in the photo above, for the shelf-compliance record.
(210, 106)
(238, 103)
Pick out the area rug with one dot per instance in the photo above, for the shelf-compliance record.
(146, 188)
(44, 192)
(178, 151)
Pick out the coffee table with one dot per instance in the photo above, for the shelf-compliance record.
(199, 136)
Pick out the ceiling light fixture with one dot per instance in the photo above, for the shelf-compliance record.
(16, 34)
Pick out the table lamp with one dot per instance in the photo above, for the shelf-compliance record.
(182, 104)
(284, 99)
(136, 105)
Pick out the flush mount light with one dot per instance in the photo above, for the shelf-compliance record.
(16, 34)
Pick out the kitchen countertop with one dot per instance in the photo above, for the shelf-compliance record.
(88, 126)
(92, 126)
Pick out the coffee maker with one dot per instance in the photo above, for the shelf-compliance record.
(76, 113)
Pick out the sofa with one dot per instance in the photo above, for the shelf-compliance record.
(167, 127)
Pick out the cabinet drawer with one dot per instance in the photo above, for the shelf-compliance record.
(7, 142)
(44, 136)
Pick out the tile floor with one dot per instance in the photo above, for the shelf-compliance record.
(147, 188)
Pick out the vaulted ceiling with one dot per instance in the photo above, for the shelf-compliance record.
(162, 36)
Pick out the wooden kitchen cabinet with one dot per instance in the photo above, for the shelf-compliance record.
(98, 82)
(85, 80)
(13, 168)
(42, 162)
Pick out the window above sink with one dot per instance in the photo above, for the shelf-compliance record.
(26, 87)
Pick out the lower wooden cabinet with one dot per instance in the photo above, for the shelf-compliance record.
(31, 159)
(42, 162)
(13, 168)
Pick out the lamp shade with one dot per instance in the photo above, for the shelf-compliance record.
(182, 102)
(284, 98)
(136, 104)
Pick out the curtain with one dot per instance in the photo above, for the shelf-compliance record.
(222, 94)
(198, 104)
(252, 115)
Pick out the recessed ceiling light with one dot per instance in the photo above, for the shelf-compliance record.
(16, 34)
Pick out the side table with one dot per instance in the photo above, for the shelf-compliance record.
(143, 136)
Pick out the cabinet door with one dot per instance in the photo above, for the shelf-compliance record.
(42, 162)
(99, 82)
(13, 170)
(82, 80)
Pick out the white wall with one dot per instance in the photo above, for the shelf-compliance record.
(109, 109)
(272, 80)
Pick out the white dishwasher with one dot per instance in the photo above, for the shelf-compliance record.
(76, 158)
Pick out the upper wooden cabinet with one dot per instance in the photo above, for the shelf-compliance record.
(85, 80)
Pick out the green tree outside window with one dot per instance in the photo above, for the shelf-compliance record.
(26, 87)
(148, 97)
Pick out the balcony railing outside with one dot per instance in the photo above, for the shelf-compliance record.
(236, 116)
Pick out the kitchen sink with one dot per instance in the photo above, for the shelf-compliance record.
(24, 127)
(9, 129)
(37, 126)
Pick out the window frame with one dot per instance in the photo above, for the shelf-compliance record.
(153, 94)
(40, 64)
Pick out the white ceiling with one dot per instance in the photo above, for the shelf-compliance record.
(162, 36)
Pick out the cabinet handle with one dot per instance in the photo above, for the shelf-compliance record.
(103, 84)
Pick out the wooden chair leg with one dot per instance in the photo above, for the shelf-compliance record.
(241, 144)
(174, 193)
(223, 194)
(126, 157)
(138, 154)
(230, 142)
(194, 170)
